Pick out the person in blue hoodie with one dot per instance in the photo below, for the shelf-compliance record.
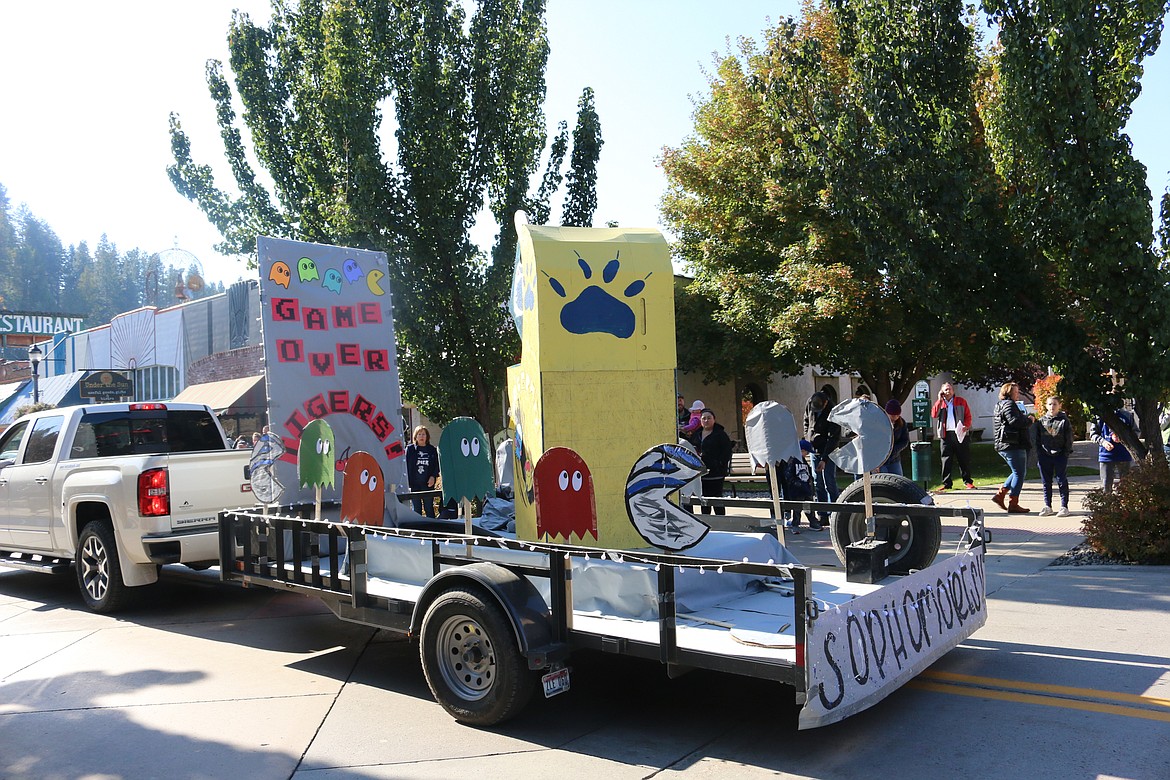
(1112, 456)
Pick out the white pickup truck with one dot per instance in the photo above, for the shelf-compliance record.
(116, 490)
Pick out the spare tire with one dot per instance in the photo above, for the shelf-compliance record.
(914, 541)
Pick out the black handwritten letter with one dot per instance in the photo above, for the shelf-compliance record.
(830, 639)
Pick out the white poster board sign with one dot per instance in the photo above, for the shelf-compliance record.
(859, 653)
(329, 352)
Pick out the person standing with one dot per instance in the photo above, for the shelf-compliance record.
(893, 464)
(952, 422)
(422, 469)
(1011, 442)
(1053, 438)
(824, 436)
(684, 414)
(714, 446)
(1113, 457)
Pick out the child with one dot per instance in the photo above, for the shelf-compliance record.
(694, 423)
(796, 484)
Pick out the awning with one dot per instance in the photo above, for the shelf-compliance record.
(227, 394)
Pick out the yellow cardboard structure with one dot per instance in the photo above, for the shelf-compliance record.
(595, 310)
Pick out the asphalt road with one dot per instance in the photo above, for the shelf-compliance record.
(1070, 678)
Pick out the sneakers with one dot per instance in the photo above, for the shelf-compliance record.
(1046, 511)
(969, 485)
(1063, 512)
(790, 528)
(815, 525)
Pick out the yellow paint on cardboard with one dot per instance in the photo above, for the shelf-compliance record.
(596, 375)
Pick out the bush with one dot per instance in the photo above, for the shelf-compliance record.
(1133, 522)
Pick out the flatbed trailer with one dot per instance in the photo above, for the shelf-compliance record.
(494, 614)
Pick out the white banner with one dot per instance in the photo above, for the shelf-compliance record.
(862, 651)
(329, 353)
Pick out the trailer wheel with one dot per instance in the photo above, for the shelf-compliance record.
(99, 574)
(914, 540)
(471, 660)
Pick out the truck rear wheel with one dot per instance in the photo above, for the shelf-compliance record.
(99, 574)
(914, 541)
(471, 660)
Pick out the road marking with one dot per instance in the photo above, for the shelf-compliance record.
(1053, 690)
(1047, 701)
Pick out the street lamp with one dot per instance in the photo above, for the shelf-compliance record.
(34, 357)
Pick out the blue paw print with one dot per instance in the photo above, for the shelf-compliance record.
(595, 310)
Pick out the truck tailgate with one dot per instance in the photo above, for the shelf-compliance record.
(204, 483)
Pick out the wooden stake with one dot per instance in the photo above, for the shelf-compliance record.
(774, 482)
(317, 503)
(870, 523)
(467, 523)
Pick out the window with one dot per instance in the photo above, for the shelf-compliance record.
(43, 439)
(145, 433)
(10, 444)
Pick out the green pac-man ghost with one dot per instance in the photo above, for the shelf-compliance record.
(315, 455)
(465, 461)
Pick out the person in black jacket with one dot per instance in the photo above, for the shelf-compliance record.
(714, 446)
(1052, 435)
(1011, 442)
(824, 436)
(422, 469)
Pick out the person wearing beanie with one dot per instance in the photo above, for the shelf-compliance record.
(893, 464)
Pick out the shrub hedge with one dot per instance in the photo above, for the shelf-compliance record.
(1134, 521)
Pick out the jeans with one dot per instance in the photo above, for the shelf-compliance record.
(1017, 460)
(1053, 466)
(424, 506)
(826, 480)
(893, 467)
(1111, 470)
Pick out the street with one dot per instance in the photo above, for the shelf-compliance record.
(1069, 679)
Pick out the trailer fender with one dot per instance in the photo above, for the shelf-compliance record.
(527, 612)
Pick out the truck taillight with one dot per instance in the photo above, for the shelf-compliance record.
(154, 494)
(148, 407)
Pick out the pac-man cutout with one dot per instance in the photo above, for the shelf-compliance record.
(565, 503)
(307, 270)
(363, 495)
(315, 455)
(280, 273)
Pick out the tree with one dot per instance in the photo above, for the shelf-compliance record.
(1066, 76)
(40, 264)
(469, 129)
(581, 198)
(835, 195)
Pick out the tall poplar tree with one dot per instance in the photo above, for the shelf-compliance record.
(465, 96)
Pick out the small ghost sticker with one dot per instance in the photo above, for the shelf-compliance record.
(465, 461)
(307, 270)
(332, 281)
(315, 455)
(352, 270)
(565, 503)
(374, 281)
(363, 496)
(280, 273)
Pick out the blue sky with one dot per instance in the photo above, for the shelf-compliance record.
(88, 88)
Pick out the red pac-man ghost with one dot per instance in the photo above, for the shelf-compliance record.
(564, 495)
(363, 496)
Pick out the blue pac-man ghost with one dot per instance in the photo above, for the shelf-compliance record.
(307, 270)
(332, 281)
(352, 270)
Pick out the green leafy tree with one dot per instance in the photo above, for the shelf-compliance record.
(581, 197)
(1066, 76)
(835, 195)
(466, 96)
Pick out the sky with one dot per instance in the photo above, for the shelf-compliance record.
(88, 88)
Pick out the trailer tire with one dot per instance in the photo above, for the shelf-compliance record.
(99, 573)
(471, 659)
(914, 540)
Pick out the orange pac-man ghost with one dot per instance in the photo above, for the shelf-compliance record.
(363, 496)
(280, 273)
(565, 504)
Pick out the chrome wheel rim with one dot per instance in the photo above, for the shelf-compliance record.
(95, 568)
(466, 659)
